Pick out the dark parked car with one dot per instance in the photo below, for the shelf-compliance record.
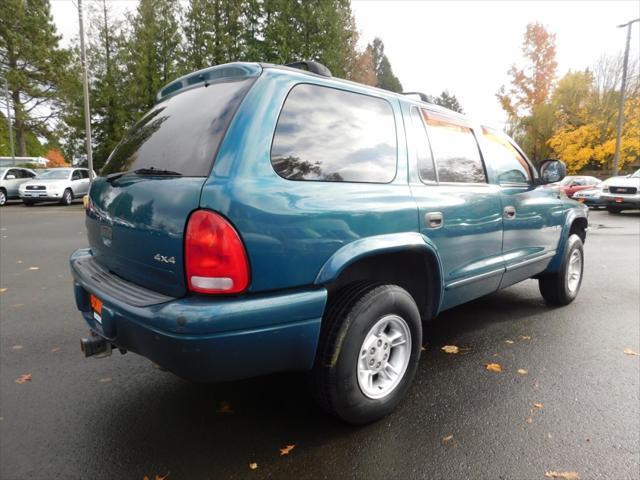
(262, 218)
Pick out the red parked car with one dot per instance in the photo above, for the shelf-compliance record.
(575, 183)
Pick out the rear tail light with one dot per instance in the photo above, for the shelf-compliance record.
(215, 258)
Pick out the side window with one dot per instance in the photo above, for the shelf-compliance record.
(426, 168)
(76, 175)
(508, 165)
(455, 151)
(84, 173)
(14, 172)
(330, 135)
(28, 174)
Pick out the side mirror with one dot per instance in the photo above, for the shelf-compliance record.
(552, 171)
(10, 177)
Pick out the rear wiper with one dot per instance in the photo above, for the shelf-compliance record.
(156, 171)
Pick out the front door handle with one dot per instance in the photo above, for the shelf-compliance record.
(433, 220)
(509, 212)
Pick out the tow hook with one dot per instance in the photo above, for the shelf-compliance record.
(95, 347)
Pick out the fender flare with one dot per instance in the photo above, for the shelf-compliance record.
(376, 245)
(571, 216)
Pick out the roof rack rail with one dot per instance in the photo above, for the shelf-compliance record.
(311, 66)
(423, 96)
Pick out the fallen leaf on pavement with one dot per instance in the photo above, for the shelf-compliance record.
(17, 347)
(24, 378)
(450, 349)
(628, 351)
(253, 465)
(225, 407)
(493, 367)
(563, 475)
(287, 450)
(524, 337)
(55, 349)
(34, 268)
(3, 289)
(509, 342)
(19, 261)
(528, 420)
(105, 380)
(538, 405)
(448, 438)
(18, 305)
(522, 371)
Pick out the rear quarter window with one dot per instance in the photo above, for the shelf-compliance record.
(331, 135)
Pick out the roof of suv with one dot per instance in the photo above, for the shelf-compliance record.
(239, 69)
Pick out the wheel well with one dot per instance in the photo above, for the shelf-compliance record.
(416, 272)
(579, 227)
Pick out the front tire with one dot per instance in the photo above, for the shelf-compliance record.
(3, 197)
(368, 353)
(67, 197)
(562, 287)
(614, 210)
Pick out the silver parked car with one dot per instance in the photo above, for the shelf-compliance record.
(10, 180)
(56, 185)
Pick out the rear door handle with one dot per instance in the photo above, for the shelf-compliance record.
(509, 212)
(433, 220)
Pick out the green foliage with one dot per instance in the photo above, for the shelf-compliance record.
(447, 100)
(382, 67)
(153, 50)
(35, 67)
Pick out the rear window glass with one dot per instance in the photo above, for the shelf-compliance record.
(181, 134)
(331, 135)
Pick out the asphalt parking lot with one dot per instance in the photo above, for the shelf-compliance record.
(576, 409)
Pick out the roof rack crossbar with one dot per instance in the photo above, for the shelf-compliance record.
(311, 66)
(423, 96)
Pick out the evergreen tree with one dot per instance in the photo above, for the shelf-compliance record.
(384, 73)
(449, 101)
(153, 51)
(34, 66)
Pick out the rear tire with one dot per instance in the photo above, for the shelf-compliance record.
(3, 197)
(562, 287)
(368, 352)
(67, 197)
(614, 210)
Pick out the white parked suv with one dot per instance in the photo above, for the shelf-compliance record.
(622, 193)
(10, 180)
(56, 185)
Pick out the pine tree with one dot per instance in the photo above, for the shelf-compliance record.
(384, 73)
(34, 66)
(153, 50)
(447, 100)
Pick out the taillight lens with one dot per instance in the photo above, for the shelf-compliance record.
(215, 258)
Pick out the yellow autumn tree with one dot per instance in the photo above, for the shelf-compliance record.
(585, 105)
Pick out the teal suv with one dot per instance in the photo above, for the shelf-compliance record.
(263, 218)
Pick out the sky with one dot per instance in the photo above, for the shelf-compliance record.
(466, 47)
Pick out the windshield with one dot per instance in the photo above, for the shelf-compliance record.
(182, 133)
(2, 170)
(636, 174)
(55, 174)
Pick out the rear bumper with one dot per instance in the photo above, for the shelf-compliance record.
(206, 338)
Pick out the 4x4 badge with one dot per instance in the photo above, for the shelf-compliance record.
(164, 259)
